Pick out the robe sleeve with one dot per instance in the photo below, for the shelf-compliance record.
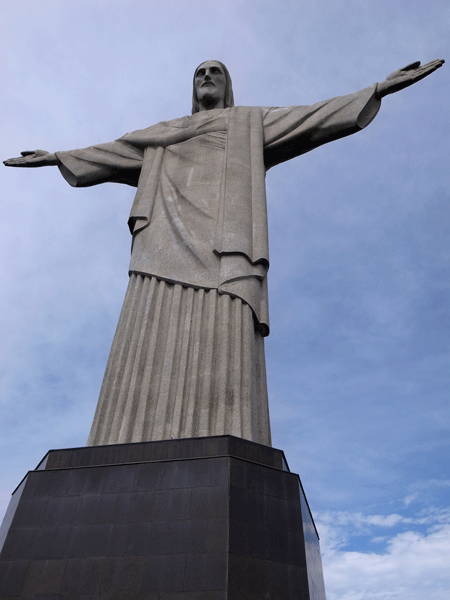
(118, 162)
(292, 131)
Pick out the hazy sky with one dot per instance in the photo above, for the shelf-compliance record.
(359, 355)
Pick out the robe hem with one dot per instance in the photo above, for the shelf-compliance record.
(263, 328)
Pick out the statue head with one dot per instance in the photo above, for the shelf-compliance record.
(227, 92)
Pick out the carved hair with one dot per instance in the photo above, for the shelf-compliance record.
(229, 100)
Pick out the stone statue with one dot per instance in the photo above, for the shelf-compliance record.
(187, 358)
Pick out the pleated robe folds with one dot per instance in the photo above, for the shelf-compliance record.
(187, 358)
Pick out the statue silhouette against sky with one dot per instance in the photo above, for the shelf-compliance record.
(187, 359)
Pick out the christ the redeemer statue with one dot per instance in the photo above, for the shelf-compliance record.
(187, 358)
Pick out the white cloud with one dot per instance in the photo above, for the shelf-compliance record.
(412, 565)
(410, 498)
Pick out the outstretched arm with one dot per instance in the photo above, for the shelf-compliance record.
(405, 77)
(33, 158)
(118, 162)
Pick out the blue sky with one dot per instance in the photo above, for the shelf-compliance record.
(359, 355)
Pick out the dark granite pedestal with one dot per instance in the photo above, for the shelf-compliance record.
(215, 518)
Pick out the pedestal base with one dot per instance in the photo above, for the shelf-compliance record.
(216, 518)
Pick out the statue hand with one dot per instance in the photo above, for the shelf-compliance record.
(405, 77)
(33, 158)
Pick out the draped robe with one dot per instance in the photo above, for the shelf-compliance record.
(187, 359)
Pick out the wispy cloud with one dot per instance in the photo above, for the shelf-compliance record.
(405, 564)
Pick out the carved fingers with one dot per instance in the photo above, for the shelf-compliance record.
(402, 78)
(423, 71)
(32, 158)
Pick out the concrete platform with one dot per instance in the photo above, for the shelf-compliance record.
(200, 519)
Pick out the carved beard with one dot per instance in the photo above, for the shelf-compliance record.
(209, 98)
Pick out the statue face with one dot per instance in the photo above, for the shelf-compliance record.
(210, 84)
